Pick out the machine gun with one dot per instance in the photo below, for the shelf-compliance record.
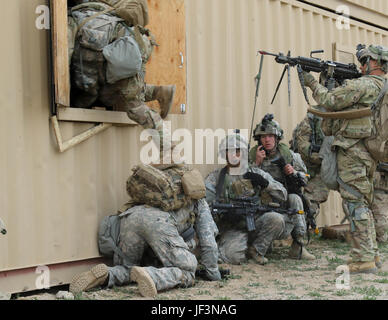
(294, 184)
(336, 72)
(248, 207)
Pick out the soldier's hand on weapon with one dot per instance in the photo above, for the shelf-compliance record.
(256, 179)
(308, 78)
(288, 169)
(260, 155)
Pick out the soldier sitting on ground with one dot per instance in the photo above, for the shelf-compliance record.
(238, 179)
(286, 167)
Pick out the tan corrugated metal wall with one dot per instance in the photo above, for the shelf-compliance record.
(52, 202)
(375, 5)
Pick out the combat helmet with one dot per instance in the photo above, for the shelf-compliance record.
(378, 53)
(232, 142)
(268, 126)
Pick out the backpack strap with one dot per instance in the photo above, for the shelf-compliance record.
(82, 24)
(349, 189)
(382, 93)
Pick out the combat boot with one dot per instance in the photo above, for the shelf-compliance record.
(87, 280)
(295, 253)
(362, 267)
(253, 254)
(378, 262)
(165, 97)
(146, 285)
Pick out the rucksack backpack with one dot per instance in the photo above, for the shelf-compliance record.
(377, 143)
(170, 188)
(134, 12)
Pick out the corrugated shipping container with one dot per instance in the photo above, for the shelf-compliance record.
(52, 202)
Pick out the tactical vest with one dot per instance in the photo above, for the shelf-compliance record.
(283, 149)
(360, 128)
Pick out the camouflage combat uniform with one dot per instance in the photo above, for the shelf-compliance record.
(380, 205)
(88, 67)
(315, 191)
(145, 227)
(293, 200)
(356, 167)
(234, 238)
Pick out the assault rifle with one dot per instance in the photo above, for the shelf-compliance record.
(248, 207)
(294, 184)
(335, 71)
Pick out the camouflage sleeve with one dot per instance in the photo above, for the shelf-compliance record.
(302, 138)
(298, 163)
(299, 166)
(211, 184)
(207, 231)
(275, 189)
(341, 97)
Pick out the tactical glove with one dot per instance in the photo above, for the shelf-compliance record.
(256, 179)
(308, 79)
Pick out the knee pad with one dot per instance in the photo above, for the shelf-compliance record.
(358, 211)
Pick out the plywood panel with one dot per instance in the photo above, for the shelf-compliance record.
(60, 52)
(168, 62)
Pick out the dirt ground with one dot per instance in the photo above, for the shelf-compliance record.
(280, 279)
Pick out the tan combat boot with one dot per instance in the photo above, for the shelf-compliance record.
(294, 252)
(165, 97)
(378, 262)
(362, 267)
(87, 280)
(253, 254)
(146, 285)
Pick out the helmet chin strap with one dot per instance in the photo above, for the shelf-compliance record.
(368, 70)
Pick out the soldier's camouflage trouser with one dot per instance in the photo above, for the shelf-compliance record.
(380, 214)
(316, 193)
(233, 242)
(155, 229)
(356, 168)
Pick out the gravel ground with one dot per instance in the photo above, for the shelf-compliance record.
(280, 279)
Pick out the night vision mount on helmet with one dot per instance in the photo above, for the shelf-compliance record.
(268, 126)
